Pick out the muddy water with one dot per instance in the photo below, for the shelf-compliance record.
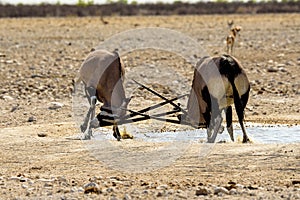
(266, 134)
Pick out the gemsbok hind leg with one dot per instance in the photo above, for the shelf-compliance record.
(229, 122)
(240, 105)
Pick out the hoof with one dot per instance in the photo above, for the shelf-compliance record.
(118, 137)
(209, 140)
(83, 128)
(246, 140)
(86, 137)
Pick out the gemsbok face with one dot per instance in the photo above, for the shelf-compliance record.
(218, 83)
(102, 73)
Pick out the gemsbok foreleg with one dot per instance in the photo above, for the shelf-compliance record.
(116, 132)
(92, 99)
(213, 117)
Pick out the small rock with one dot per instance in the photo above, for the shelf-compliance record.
(272, 69)
(280, 55)
(42, 134)
(280, 65)
(181, 194)
(61, 179)
(48, 185)
(55, 105)
(74, 189)
(218, 190)
(14, 178)
(92, 188)
(31, 119)
(233, 191)
(282, 69)
(162, 187)
(202, 191)
(7, 98)
(23, 179)
(290, 63)
(80, 189)
(160, 194)
(127, 197)
(45, 180)
(294, 182)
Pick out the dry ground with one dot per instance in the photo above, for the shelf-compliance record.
(39, 58)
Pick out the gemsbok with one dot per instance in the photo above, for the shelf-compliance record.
(218, 83)
(102, 73)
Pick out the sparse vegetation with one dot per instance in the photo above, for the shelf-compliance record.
(85, 3)
(123, 8)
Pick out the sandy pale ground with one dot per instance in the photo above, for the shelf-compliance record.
(39, 58)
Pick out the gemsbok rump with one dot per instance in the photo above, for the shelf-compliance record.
(102, 73)
(218, 83)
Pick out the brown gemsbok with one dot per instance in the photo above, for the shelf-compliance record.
(102, 73)
(218, 83)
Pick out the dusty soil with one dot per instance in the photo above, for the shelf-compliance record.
(39, 57)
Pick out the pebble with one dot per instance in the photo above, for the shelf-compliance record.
(127, 197)
(61, 179)
(7, 98)
(233, 191)
(42, 134)
(272, 69)
(162, 187)
(92, 187)
(48, 185)
(202, 191)
(14, 178)
(31, 119)
(45, 180)
(55, 105)
(218, 190)
(160, 194)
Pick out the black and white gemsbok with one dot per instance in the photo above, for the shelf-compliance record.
(218, 83)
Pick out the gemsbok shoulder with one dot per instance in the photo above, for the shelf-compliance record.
(102, 73)
(218, 83)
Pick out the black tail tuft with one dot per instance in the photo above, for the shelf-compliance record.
(229, 67)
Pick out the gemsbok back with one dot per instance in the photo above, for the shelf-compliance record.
(102, 73)
(218, 83)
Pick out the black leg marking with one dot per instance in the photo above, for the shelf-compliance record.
(229, 122)
(215, 121)
(116, 133)
(240, 112)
